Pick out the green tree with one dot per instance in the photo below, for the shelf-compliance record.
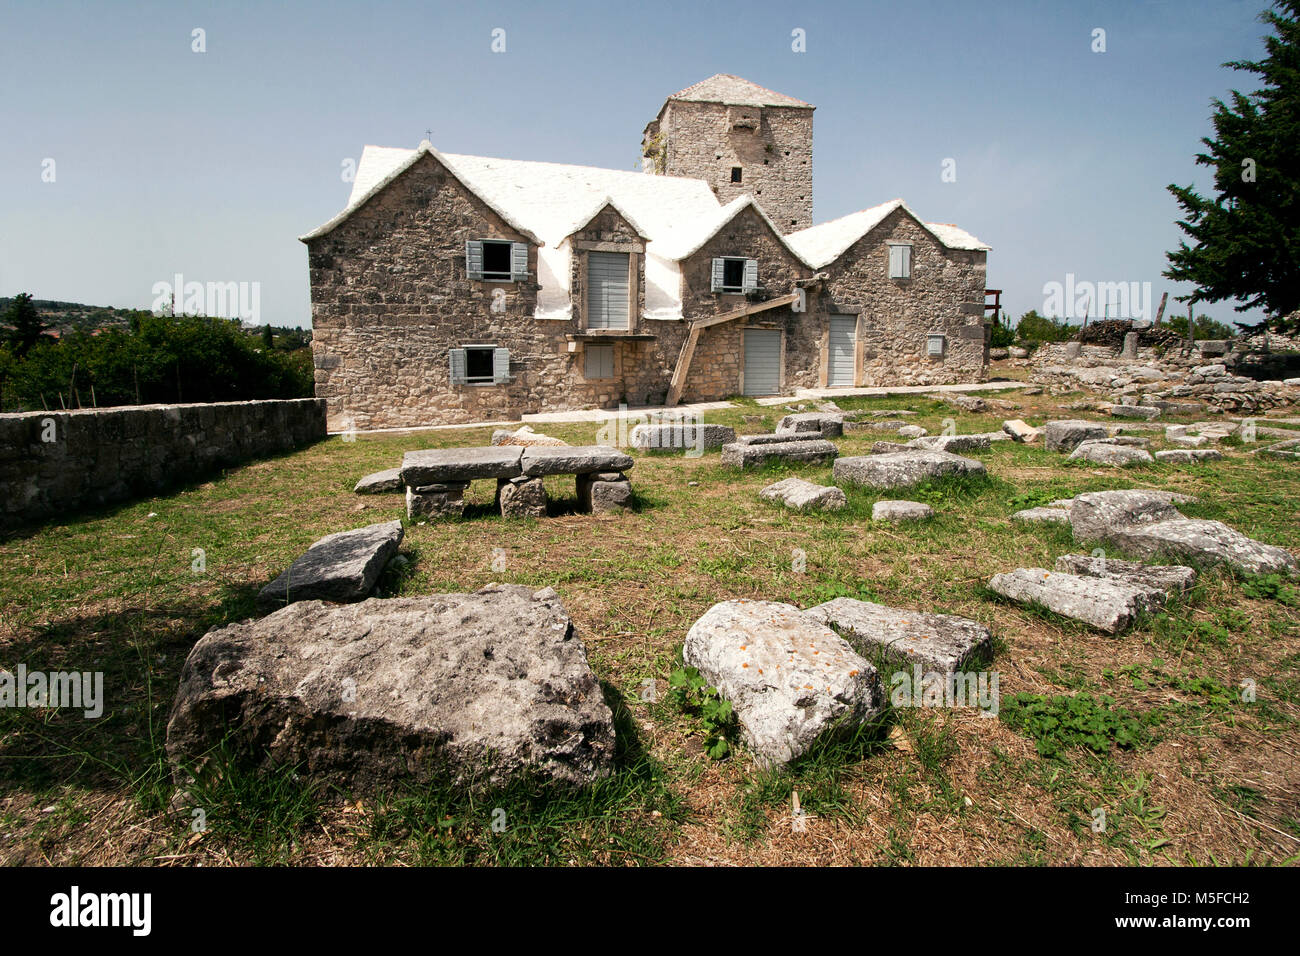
(1033, 327)
(268, 339)
(22, 324)
(1246, 239)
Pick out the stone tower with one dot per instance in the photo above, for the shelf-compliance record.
(739, 138)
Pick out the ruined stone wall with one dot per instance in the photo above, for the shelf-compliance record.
(55, 462)
(945, 296)
(772, 145)
(719, 355)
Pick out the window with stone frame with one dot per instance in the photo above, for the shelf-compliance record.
(496, 260)
(598, 362)
(734, 274)
(479, 365)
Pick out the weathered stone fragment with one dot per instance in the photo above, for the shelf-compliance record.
(825, 424)
(1185, 456)
(804, 495)
(753, 456)
(339, 567)
(911, 431)
(1108, 604)
(1043, 516)
(521, 497)
(678, 436)
(579, 460)
(774, 439)
(790, 680)
(1147, 524)
(1145, 412)
(901, 511)
(1166, 577)
(1108, 453)
(442, 500)
(943, 643)
(380, 482)
(951, 443)
(440, 465)
(1066, 434)
(903, 469)
(1021, 431)
(527, 438)
(404, 690)
(968, 403)
(600, 492)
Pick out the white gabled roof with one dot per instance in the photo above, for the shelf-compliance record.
(383, 170)
(687, 238)
(822, 245)
(595, 210)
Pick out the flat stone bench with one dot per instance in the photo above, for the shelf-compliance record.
(436, 478)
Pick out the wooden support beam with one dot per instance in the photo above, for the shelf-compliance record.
(683, 365)
(688, 347)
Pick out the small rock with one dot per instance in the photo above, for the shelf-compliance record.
(1021, 431)
(901, 511)
(804, 495)
(1185, 456)
(380, 482)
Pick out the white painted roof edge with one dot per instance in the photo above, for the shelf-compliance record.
(957, 239)
(595, 211)
(729, 212)
(425, 147)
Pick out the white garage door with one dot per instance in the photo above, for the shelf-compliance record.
(762, 361)
(844, 336)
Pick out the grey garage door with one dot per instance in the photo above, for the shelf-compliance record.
(607, 290)
(840, 355)
(762, 361)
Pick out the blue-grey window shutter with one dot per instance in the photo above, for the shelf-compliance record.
(500, 366)
(457, 366)
(717, 275)
(518, 261)
(474, 258)
(751, 275)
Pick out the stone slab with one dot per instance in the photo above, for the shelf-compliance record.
(1107, 604)
(753, 456)
(432, 465)
(802, 495)
(339, 567)
(790, 680)
(903, 469)
(579, 460)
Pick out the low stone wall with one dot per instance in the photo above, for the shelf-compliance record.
(54, 462)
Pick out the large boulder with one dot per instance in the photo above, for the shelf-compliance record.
(1065, 435)
(339, 567)
(803, 495)
(901, 469)
(942, 643)
(790, 680)
(418, 690)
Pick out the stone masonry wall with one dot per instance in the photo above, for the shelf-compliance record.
(772, 145)
(716, 367)
(55, 462)
(945, 295)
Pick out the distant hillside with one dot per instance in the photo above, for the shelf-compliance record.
(65, 317)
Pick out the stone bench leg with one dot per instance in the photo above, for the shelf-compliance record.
(604, 491)
(521, 497)
(435, 501)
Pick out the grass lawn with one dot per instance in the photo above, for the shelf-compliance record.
(1148, 728)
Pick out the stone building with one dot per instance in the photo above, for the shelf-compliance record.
(459, 288)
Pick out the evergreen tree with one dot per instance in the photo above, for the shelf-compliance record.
(22, 324)
(1246, 240)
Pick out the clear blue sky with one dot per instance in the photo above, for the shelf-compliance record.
(211, 164)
